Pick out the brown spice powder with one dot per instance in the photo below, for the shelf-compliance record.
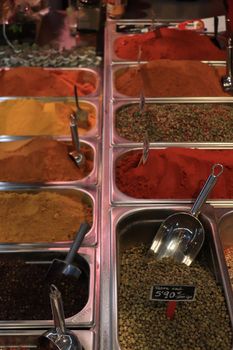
(167, 78)
(35, 81)
(41, 160)
(42, 217)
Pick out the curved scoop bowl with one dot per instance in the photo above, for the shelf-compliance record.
(51, 341)
(180, 236)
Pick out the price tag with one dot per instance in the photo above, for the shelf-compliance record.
(172, 293)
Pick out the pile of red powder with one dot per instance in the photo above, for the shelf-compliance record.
(173, 173)
(168, 43)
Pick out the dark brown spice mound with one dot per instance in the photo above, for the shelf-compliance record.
(24, 294)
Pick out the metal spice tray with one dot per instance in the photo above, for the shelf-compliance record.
(34, 255)
(224, 218)
(119, 198)
(94, 103)
(28, 339)
(128, 223)
(91, 179)
(89, 75)
(115, 105)
(116, 70)
(89, 196)
(112, 29)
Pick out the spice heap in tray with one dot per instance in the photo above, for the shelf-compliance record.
(143, 323)
(169, 44)
(41, 160)
(173, 173)
(170, 78)
(34, 81)
(54, 216)
(175, 122)
(36, 306)
(39, 117)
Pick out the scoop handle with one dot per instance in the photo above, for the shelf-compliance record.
(229, 58)
(74, 133)
(217, 170)
(57, 310)
(83, 229)
(76, 97)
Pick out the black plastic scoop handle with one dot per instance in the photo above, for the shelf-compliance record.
(65, 267)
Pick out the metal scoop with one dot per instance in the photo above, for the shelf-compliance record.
(58, 338)
(142, 99)
(181, 235)
(60, 267)
(76, 154)
(145, 151)
(227, 80)
(81, 114)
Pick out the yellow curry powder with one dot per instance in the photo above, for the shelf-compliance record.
(33, 117)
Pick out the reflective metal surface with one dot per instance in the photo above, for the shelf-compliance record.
(59, 338)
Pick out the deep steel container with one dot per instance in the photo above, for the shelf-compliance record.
(117, 197)
(115, 105)
(34, 255)
(89, 196)
(94, 102)
(118, 69)
(90, 179)
(128, 223)
(87, 75)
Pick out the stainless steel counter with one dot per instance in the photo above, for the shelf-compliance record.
(119, 212)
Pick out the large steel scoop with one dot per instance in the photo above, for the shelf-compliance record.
(58, 338)
(181, 235)
(60, 267)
